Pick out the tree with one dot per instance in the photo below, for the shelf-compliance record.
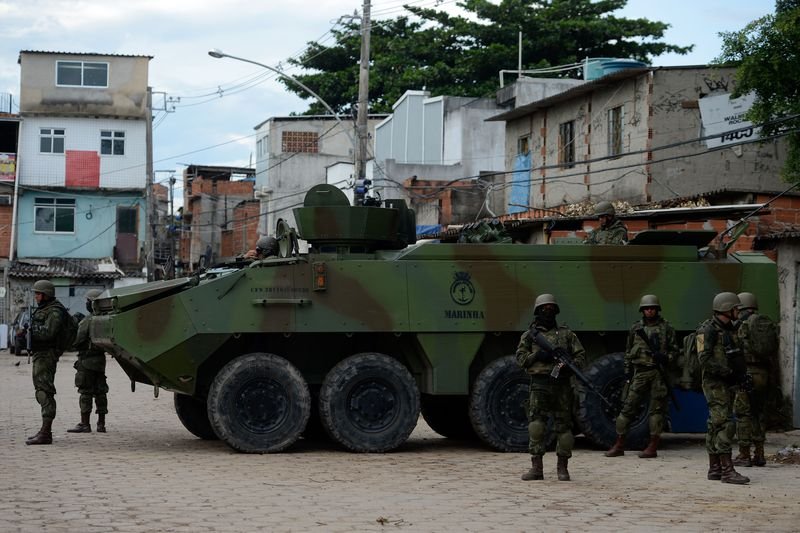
(462, 56)
(769, 65)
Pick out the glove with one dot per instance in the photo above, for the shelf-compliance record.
(544, 356)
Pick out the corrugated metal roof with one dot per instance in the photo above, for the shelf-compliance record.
(104, 268)
(61, 52)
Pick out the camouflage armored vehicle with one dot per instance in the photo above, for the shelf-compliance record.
(369, 328)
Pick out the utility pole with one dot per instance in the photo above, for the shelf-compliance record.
(150, 200)
(172, 226)
(361, 182)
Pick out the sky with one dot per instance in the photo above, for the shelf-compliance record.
(208, 107)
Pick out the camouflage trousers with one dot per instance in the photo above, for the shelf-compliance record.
(550, 397)
(751, 426)
(646, 383)
(90, 379)
(720, 427)
(44, 377)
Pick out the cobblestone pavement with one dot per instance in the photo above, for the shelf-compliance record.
(149, 474)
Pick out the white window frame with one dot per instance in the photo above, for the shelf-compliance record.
(83, 65)
(52, 134)
(56, 204)
(113, 136)
(615, 128)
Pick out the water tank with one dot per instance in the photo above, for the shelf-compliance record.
(597, 67)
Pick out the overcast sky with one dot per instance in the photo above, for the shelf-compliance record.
(214, 119)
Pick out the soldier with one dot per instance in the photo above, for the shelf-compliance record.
(723, 367)
(266, 246)
(611, 230)
(47, 323)
(549, 396)
(651, 344)
(90, 375)
(758, 337)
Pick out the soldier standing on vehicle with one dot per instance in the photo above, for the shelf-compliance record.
(90, 375)
(47, 323)
(549, 396)
(650, 349)
(611, 230)
(722, 363)
(759, 339)
(266, 246)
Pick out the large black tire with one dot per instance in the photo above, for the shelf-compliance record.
(369, 403)
(193, 414)
(259, 403)
(496, 405)
(595, 419)
(448, 416)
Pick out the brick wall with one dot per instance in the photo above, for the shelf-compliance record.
(5, 230)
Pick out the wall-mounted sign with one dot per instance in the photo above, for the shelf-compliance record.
(8, 166)
(724, 122)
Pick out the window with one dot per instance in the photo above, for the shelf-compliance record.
(54, 215)
(51, 141)
(566, 144)
(524, 145)
(112, 142)
(300, 141)
(81, 74)
(126, 220)
(615, 131)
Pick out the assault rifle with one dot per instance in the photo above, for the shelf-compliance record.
(658, 355)
(564, 360)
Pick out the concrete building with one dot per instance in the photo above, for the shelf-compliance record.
(295, 153)
(82, 172)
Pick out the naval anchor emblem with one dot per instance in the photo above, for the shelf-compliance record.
(461, 290)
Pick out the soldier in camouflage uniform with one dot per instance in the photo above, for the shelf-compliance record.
(722, 364)
(749, 407)
(90, 375)
(266, 246)
(47, 322)
(549, 396)
(643, 376)
(611, 230)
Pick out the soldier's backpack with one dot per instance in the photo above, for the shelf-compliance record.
(69, 331)
(692, 375)
(763, 336)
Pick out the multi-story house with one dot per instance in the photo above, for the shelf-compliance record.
(82, 172)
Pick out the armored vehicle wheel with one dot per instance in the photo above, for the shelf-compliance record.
(595, 419)
(496, 405)
(448, 416)
(259, 403)
(194, 416)
(369, 403)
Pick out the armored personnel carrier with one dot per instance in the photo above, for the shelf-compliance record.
(369, 328)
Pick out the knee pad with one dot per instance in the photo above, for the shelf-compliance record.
(536, 429)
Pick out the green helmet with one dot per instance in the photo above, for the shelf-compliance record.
(92, 294)
(725, 302)
(649, 300)
(748, 300)
(543, 299)
(45, 287)
(604, 208)
(267, 245)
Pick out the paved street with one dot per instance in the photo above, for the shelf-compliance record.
(149, 474)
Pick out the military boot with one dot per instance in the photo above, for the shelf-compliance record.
(758, 455)
(714, 467)
(101, 423)
(743, 458)
(652, 447)
(45, 435)
(83, 426)
(561, 469)
(536, 471)
(618, 448)
(729, 474)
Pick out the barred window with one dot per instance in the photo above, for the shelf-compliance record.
(300, 141)
(566, 144)
(615, 131)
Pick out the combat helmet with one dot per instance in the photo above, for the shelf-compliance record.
(748, 300)
(92, 294)
(544, 299)
(649, 300)
(725, 302)
(45, 287)
(268, 245)
(604, 208)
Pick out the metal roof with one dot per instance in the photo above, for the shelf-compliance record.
(61, 52)
(58, 267)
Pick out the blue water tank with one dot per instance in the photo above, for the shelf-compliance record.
(597, 67)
